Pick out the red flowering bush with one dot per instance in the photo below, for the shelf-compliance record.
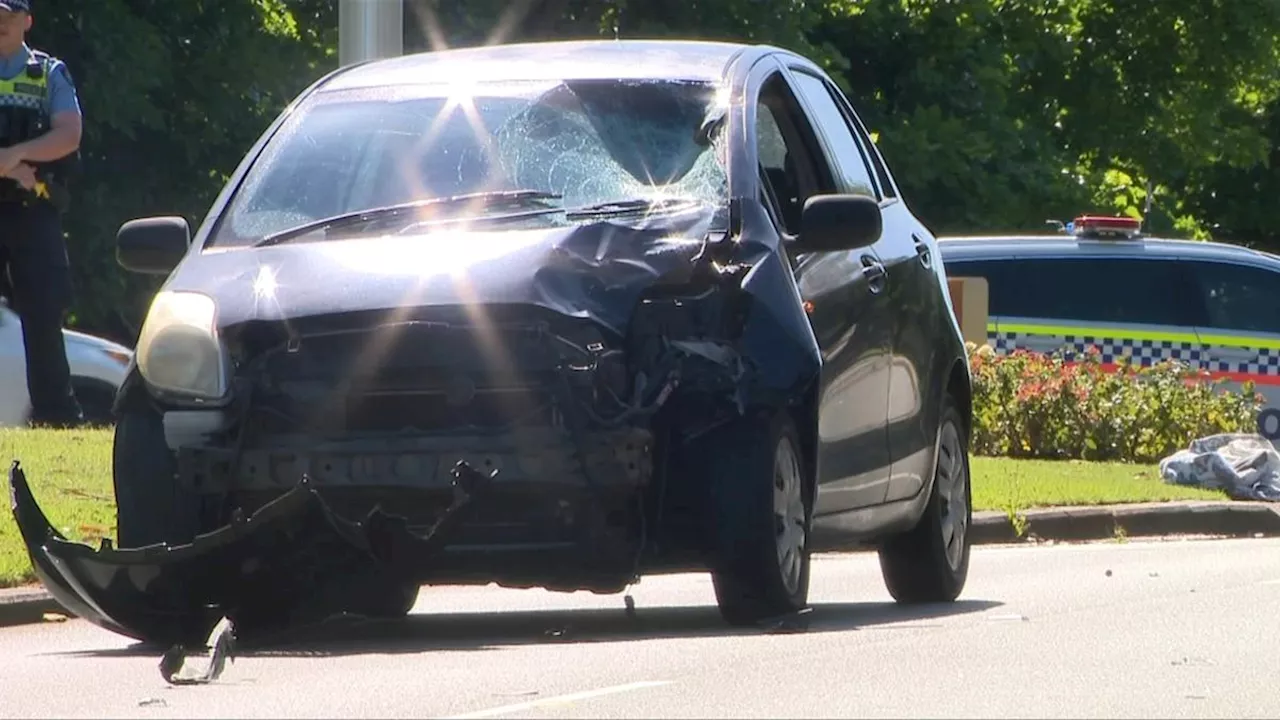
(1035, 405)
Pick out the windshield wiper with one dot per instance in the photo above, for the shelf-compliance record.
(391, 213)
(627, 207)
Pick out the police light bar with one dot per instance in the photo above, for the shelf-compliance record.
(1106, 226)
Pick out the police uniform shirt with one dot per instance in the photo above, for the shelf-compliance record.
(62, 91)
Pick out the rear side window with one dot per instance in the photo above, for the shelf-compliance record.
(1238, 297)
(1084, 290)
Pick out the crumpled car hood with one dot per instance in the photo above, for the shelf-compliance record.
(250, 568)
(594, 270)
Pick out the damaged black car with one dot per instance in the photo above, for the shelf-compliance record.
(552, 315)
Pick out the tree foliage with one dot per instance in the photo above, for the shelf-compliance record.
(996, 114)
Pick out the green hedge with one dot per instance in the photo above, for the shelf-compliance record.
(1036, 405)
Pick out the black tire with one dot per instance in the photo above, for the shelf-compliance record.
(916, 565)
(150, 506)
(392, 602)
(751, 580)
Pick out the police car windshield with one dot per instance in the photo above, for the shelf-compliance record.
(590, 142)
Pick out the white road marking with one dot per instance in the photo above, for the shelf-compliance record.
(561, 699)
(1271, 582)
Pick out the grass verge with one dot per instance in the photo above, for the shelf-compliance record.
(70, 474)
(1007, 484)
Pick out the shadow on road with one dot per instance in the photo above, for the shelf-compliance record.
(488, 631)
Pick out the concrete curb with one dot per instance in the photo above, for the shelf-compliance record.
(24, 605)
(19, 606)
(1100, 522)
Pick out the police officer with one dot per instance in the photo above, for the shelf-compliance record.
(39, 143)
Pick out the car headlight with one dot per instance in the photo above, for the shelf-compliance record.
(178, 349)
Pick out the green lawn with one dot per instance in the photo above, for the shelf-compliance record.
(70, 474)
(1007, 484)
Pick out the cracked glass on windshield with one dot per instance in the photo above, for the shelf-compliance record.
(590, 141)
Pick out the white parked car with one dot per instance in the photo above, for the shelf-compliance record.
(98, 366)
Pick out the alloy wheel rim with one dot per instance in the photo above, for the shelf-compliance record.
(788, 514)
(953, 494)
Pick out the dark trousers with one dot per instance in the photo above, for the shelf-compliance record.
(33, 261)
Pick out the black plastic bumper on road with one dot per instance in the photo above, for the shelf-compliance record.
(292, 557)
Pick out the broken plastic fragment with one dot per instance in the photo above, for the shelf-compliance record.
(1008, 617)
(53, 617)
(152, 702)
(796, 622)
(222, 649)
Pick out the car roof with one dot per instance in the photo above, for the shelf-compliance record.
(984, 247)
(689, 60)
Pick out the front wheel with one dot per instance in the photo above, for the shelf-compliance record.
(386, 599)
(761, 512)
(930, 563)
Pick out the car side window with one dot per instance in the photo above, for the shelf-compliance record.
(849, 159)
(787, 150)
(1085, 290)
(1239, 297)
(882, 173)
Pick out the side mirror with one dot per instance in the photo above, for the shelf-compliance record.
(838, 222)
(153, 246)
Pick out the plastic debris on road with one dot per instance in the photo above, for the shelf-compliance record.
(221, 646)
(1245, 466)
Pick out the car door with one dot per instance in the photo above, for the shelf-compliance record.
(13, 370)
(911, 298)
(844, 293)
(1121, 305)
(1240, 339)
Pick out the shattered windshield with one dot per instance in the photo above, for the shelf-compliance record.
(591, 142)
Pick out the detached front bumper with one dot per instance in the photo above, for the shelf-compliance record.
(292, 561)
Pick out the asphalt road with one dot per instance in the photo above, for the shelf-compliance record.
(1142, 629)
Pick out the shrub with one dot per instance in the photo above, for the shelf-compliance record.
(1035, 405)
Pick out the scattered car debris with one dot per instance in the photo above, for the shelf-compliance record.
(264, 572)
(221, 644)
(53, 617)
(1009, 617)
(797, 622)
(152, 702)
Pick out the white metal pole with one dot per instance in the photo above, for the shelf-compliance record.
(369, 30)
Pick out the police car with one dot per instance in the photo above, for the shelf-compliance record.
(1102, 283)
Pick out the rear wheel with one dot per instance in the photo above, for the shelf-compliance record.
(151, 507)
(761, 514)
(930, 563)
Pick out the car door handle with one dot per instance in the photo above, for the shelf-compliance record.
(874, 272)
(1043, 343)
(923, 252)
(1230, 354)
